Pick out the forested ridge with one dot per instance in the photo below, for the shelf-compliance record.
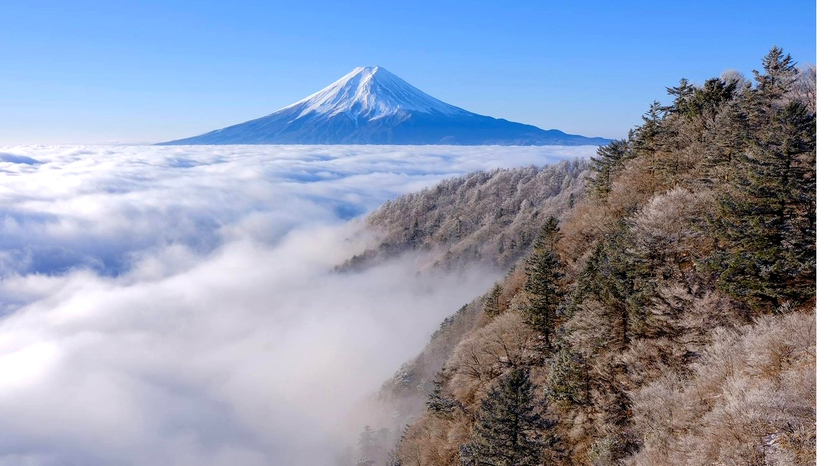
(484, 217)
(667, 317)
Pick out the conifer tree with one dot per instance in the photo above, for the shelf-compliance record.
(608, 162)
(439, 402)
(492, 305)
(681, 97)
(544, 283)
(621, 281)
(567, 381)
(779, 77)
(770, 221)
(648, 142)
(727, 140)
(509, 429)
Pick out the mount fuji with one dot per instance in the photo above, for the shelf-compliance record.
(371, 105)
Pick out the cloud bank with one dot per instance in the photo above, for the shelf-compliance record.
(174, 305)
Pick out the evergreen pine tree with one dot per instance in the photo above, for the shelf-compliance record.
(619, 278)
(439, 402)
(769, 222)
(707, 100)
(608, 162)
(648, 142)
(681, 97)
(567, 381)
(492, 305)
(767, 225)
(544, 283)
(727, 139)
(779, 77)
(509, 429)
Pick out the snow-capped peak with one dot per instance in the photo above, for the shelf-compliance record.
(371, 92)
(370, 105)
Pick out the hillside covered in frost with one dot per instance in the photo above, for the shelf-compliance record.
(664, 317)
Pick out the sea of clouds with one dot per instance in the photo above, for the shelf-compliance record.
(176, 305)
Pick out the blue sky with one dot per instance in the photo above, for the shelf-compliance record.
(103, 71)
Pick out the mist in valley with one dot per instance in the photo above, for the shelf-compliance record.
(177, 305)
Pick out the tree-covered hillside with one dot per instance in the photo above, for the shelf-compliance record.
(484, 217)
(666, 319)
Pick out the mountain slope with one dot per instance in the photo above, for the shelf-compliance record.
(679, 295)
(371, 105)
(454, 224)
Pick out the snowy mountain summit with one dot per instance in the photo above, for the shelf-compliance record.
(372, 92)
(371, 105)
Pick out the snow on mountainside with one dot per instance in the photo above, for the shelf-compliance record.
(371, 105)
(372, 92)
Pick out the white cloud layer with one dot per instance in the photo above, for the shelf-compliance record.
(174, 305)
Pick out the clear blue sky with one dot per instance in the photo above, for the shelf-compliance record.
(107, 71)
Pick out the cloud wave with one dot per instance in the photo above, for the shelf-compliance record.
(174, 305)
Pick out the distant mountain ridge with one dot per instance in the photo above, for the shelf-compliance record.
(371, 105)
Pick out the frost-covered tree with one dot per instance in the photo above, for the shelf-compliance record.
(439, 402)
(373, 446)
(567, 379)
